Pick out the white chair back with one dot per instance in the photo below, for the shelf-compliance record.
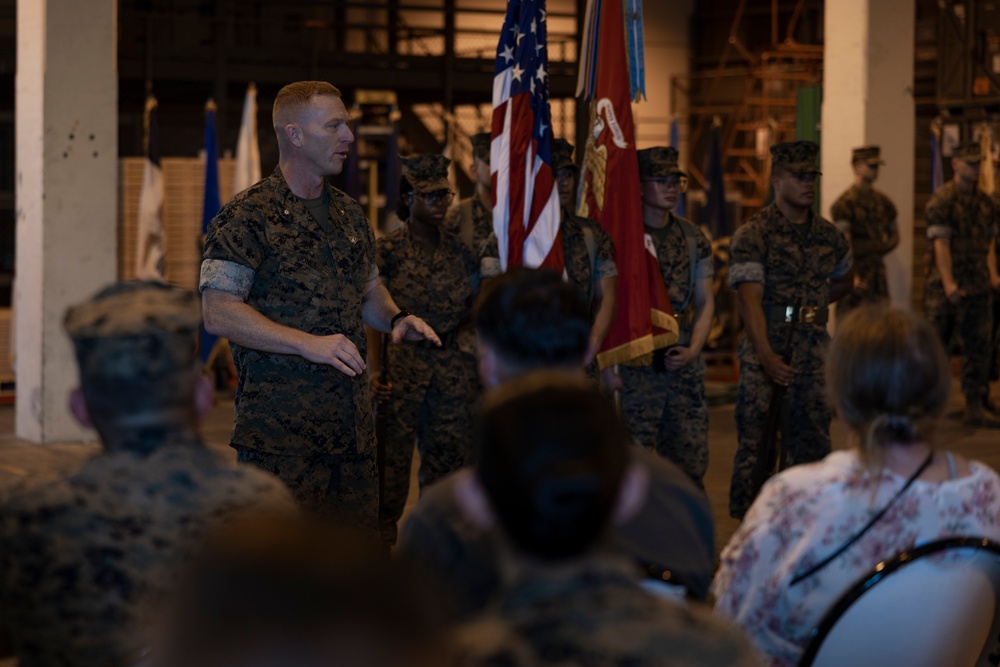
(928, 607)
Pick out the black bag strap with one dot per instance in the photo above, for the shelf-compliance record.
(871, 522)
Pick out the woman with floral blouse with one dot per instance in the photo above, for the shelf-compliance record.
(815, 529)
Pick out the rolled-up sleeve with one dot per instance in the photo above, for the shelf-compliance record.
(226, 276)
(746, 257)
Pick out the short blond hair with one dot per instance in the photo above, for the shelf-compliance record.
(294, 97)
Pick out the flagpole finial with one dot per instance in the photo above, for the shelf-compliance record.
(210, 105)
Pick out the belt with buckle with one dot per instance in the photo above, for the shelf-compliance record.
(801, 314)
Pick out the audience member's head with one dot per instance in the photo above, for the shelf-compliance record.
(529, 319)
(888, 377)
(136, 347)
(551, 470)
(285, 592)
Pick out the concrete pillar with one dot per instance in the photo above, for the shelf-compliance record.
(67, 155)
(868, 99)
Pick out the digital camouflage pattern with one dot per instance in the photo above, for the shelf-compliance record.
(562, 155)
(870, 220)
(674, 258)
(433, 388)
(594, 614)
(668, 413)
(481, 146)
(426, 173)
(135, 349)
(658, 162)
(806, 438)
(470, 221)
(576, 253)
(867, 154)
(83, 559)
(796, 156)
(266, 247)
(665, 411)
(794, 266)
(968, 222)
(972, 320)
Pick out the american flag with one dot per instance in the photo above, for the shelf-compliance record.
(526, 213)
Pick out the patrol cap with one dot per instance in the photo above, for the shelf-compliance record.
(797, 156)
(481, 146)
(427, 173)
(867, 154)
(562, 155)
(968, 152)
(658, 161)
(134, 332)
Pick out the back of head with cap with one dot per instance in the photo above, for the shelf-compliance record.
(551, 459)
(136, 349)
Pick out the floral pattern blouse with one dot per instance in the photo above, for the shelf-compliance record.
(807, 512)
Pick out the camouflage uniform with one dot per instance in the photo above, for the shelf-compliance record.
(793, 263)
(870, 219)
(83, 557)
(593, 613)
(968, 221)
(308, 423)
(432, 388)
(668, 412)
(588, 252)
(470, 220)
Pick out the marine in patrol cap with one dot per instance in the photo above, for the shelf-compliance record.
(658, 162)
(867, 154)
(968, 152)
(562, 155)
(481, 146)
(136, 344)
(796, 156)
(427, 173)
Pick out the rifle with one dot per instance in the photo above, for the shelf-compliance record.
(771, 446)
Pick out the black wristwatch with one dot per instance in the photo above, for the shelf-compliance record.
(398, 316)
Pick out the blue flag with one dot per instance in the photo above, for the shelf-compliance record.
(715, 209)
(675, 141)
(209, 210)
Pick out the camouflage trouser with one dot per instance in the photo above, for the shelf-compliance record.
(807, 428)
(432, 395)
(874, 289)
(341, 487)
(972, 319)
(667, 412)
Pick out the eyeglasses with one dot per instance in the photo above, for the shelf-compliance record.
(675, 181)
(437, 197)
(804, 176)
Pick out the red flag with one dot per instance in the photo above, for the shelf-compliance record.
(526, 216)
(644, 317)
